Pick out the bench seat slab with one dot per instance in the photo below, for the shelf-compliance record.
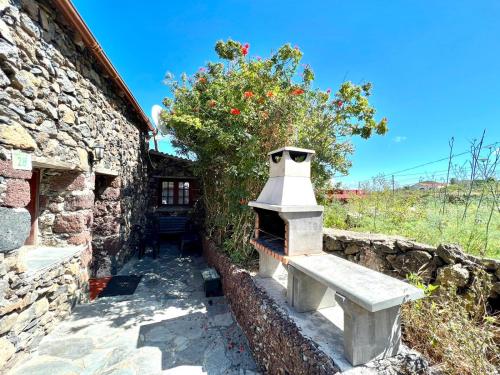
(306, 294)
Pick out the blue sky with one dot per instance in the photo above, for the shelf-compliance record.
(434, 66)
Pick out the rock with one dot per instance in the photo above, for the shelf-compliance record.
(496, 287)
(449, 253)
(66, 114)
(387, 246)
(8, 52)
(29, 26)
(69, 348)
(70, 222)
(24, 318)
(40, 307)
(454, 274)
(490, 264)
(17, 193)
(26, 82)
(5, 32)
(15, 135)
(4, 80)
(352, 248)
(15, 225)
(6, 170)
(83, 156)
(373, 260)
(7, 350)
(415, 261)
(79, 202)
(7, 322)
(331, 244)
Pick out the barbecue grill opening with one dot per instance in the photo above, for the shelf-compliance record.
(276, 157)
(270, 230)
(298, 156)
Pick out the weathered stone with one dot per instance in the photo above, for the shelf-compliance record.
(40, 307)
(83, 156)
(7, 322)
(490, 264)
(331, 244)
(454, 274)
(29, 26)
(449, 252)
(15, 224)
(414, 261)
(388, 246)
(7, 350)
(15, 135)
(66, 114)
(24, 318)
(373, 260)
(496, 287)
(67, 181)
(6, 170)
(17, 193)
(8, 52)
(352, 248)
(26, 82)
(110, 194)
(4, 80)
(70, 222)
(5, 32)
(79, 202)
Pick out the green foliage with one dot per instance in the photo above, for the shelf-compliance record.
(228, 115)
(418, 215)
(452, 330)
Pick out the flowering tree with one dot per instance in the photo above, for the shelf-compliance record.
(230, 113)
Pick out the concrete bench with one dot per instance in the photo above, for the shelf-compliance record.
(369, 299)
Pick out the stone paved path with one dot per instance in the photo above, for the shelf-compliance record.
(166, 327)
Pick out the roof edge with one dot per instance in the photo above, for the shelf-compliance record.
(76, 21)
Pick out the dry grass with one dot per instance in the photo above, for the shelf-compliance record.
(454, 331)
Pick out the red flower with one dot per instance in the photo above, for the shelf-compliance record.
(202, 80)
(243, 201)
(340, 103)
(297, 92)
(248, 94)
(235, 111)
(244, 49)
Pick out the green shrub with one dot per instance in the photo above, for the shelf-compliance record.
(452, 330)
(232, 112)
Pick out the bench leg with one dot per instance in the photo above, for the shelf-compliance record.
(269, 266)
(306, 294)
(369, 335)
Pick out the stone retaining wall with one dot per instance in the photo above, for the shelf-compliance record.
(277, 344)
(397, 256)
(32, 303)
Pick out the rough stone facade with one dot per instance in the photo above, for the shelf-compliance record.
(56, 105)
(32, 303)
(397, 256)
(164, 167)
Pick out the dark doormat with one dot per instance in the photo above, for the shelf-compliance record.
(120, 286)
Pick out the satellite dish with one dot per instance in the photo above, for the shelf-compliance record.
(155, 114)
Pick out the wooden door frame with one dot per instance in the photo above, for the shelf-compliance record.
(33, 207)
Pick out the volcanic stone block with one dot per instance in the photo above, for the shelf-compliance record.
(15, 224)
(18, 193)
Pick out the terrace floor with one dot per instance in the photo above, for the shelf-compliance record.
(166, 327)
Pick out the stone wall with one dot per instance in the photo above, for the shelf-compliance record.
(32, 303)
(397, 256)
(56, 104)
(163, 166)
(276, 342)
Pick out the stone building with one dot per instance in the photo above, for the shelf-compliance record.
(173, 188)
(73, 168)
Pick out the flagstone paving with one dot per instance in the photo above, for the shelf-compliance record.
(166, 327)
